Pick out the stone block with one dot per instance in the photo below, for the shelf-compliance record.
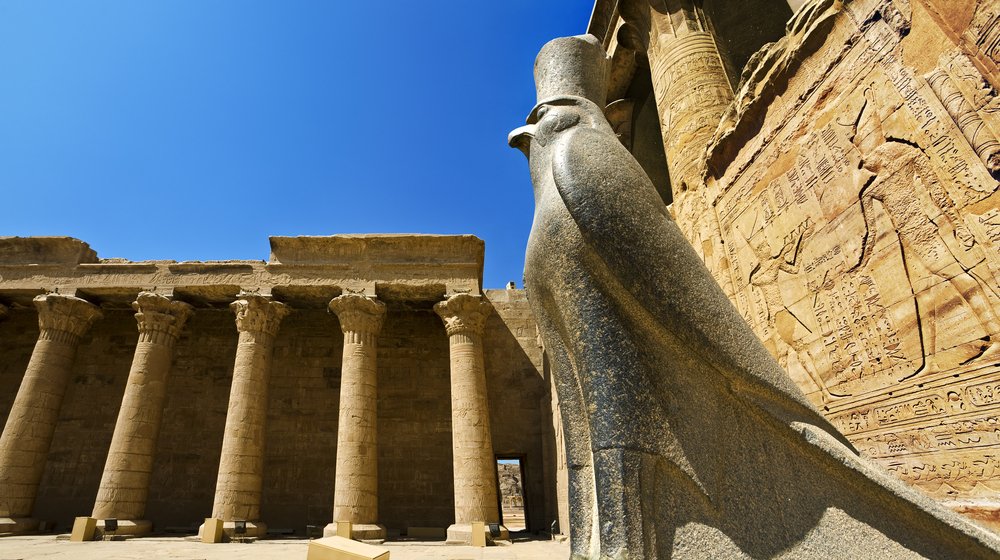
(344, 529)
(83, 529)
(340, 548)
(211, 531)
(45, 250)
(478, 533)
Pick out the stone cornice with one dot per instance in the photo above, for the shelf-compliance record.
(65, 314)
(464, 314)
(160, 319)
(303, 272)
(358, 313)
(258, 314)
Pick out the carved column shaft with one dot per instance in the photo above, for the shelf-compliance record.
(26, 438)
(980, 137)
(241, 466)
(692, 92)
(691, 88)
(356, 486)
(472, 445)
(125, 482)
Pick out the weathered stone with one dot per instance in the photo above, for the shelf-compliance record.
(45, 250)
(867, 133)
(464, 318)
(125, 483)
(27, 435)
(355, 495)
(414, 447)
(398, 267)
(695, 443)
(241, 467)
(341, 548)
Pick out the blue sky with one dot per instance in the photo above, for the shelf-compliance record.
(192, 130)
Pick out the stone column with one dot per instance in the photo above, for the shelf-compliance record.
(692, 92)
(24, 445)
(355, 495)
(241, 467)
(691, 88)
(125, 482)
(464, 317)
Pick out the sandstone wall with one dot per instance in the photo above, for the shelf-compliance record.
(854, 186)
(415, 477)
(522, 414)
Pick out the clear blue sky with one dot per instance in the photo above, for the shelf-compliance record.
(192, 130)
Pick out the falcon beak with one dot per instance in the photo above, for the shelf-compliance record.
(520, 138)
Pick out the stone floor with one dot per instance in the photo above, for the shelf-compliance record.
(155, 548)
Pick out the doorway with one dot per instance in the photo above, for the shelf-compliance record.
(510, 486)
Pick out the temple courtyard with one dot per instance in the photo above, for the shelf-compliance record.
(56, 547)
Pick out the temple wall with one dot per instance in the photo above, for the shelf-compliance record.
(521, 418)
(853, 181)
(414, 422)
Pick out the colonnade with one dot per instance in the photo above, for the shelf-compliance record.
(125, 481)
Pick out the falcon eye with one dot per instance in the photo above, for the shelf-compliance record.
(541, 112)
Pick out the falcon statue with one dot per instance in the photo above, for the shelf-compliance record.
(685, 438)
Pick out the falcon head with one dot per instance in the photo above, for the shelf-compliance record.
(552, 118)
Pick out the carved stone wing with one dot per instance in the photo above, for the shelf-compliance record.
(625, 222)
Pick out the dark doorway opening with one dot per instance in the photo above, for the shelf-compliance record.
(511, 494)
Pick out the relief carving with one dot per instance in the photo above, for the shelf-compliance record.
(985, 30)
(909, 191)
(780, 320)
(968, 120)
(859, 209)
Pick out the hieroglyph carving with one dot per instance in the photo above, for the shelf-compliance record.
(861, 227)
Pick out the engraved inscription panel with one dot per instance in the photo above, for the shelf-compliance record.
(861, 239)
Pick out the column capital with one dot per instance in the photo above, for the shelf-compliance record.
(358, 313)
(65, 314)
(464, 314)
(258, 314)
(160, 318)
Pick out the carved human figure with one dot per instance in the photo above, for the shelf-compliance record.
(781, 322)
(684, 436)
(900, 177)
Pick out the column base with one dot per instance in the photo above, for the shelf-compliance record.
(17, 525)
(126, 528)
(359, 531)
(255, 530)
(461, 533)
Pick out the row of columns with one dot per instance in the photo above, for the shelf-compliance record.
(124, 486)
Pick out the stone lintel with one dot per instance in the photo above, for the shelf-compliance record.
(210, 295)
(213, 267)
(45, 250)
(306, 296)
(115, 267)
(427, 250)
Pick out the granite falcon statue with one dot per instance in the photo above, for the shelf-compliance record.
(685, 439)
